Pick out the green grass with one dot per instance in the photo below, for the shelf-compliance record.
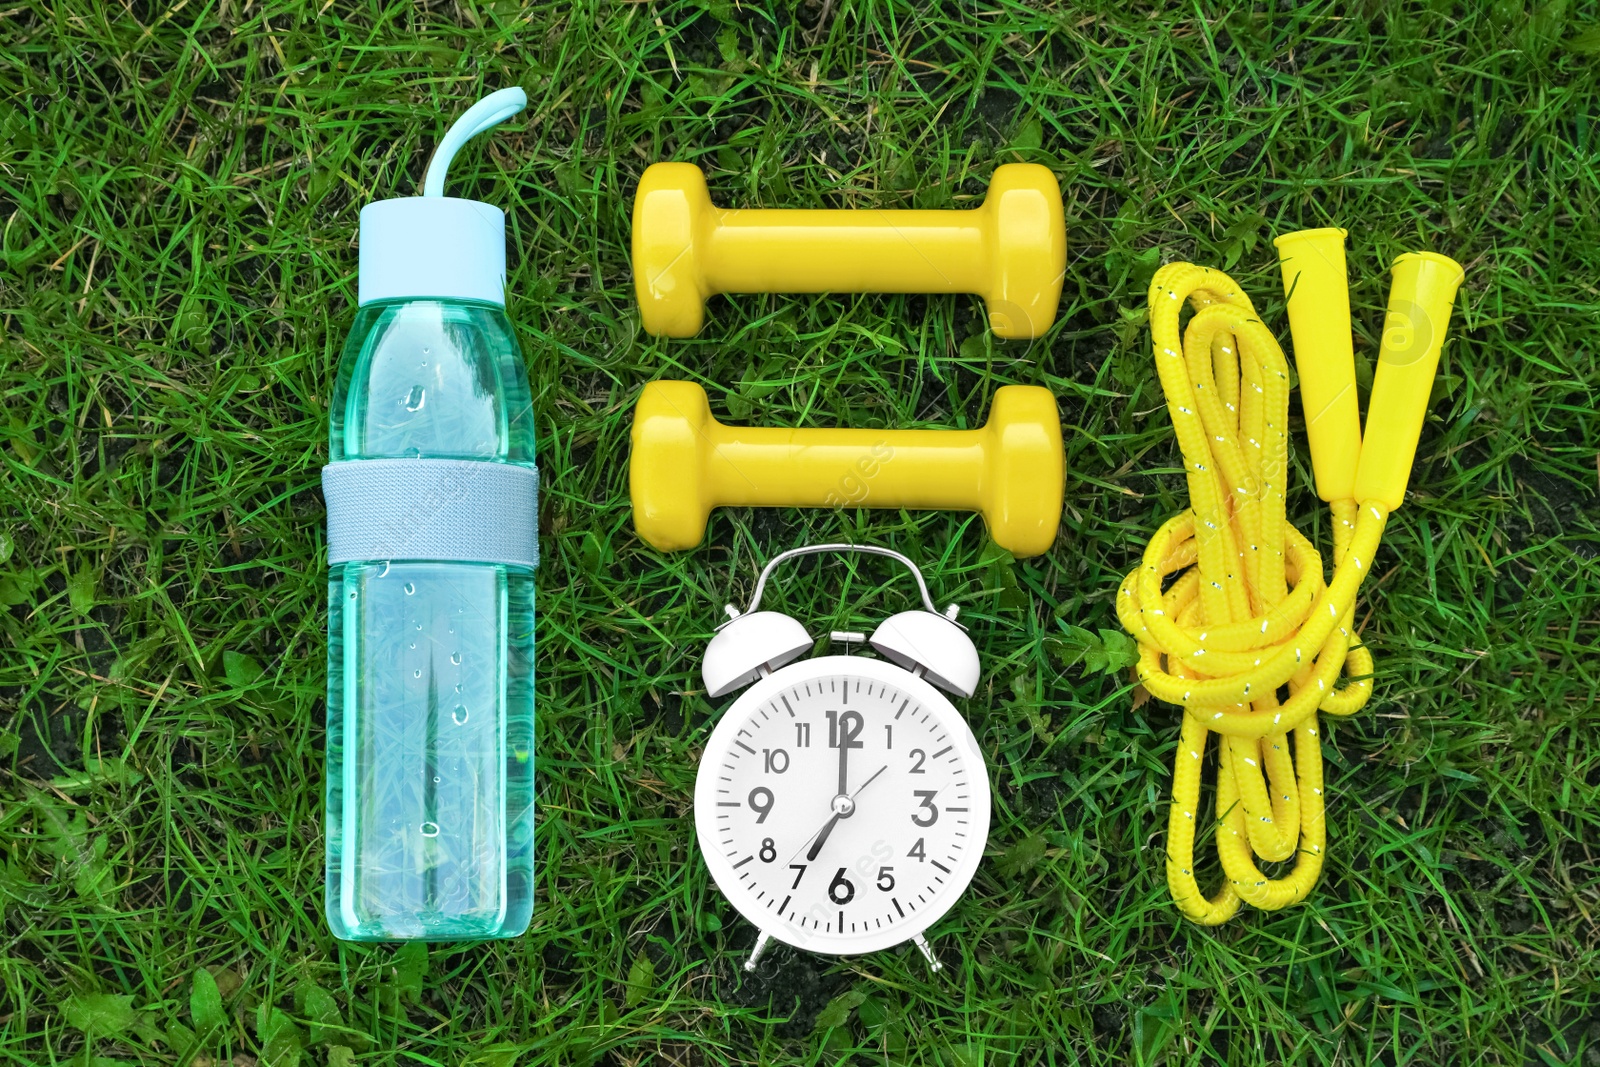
(179, 188)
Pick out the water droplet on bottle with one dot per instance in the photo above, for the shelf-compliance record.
(436, 779)
(459, 715)
(417, 673)
(352, 594)
(411, 453)
(419, 624)
(413, 644)
(455, 657)
(458, 687)
(410, 588)
(429, 829)
(385, 570)
(416, 398)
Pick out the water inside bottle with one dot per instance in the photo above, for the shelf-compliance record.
(424, 782)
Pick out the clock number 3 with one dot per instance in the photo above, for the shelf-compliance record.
(927, 805)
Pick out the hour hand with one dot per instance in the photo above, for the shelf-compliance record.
(822, 838)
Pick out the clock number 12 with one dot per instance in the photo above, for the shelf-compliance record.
(844, 729)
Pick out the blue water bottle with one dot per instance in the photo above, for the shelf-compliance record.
(432, 544)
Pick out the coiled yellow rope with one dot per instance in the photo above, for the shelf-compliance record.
(1249, 613)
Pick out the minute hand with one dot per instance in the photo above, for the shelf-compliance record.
(844, 763)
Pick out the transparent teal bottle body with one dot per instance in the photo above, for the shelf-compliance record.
(430, 662)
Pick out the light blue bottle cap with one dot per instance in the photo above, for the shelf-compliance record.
(437, 246)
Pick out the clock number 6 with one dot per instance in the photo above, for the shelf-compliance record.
(926, 796)
(761, 802)
(840, 891)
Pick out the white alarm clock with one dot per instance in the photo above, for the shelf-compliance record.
(842, 803)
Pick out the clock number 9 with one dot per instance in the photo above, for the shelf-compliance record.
(761, 802)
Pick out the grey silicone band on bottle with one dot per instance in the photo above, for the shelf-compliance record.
(471, 511)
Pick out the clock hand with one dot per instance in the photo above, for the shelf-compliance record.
(844, 762)
(822, 835)
(869, 781)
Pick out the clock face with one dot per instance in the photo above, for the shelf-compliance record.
(842, 804)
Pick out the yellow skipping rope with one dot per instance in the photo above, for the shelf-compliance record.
(1234, 619)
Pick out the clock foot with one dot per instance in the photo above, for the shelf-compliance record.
(926, 950)
(761, 946)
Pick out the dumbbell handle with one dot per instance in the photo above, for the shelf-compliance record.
(804, 250)
(768, 467)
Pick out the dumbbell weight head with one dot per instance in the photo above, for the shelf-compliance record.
(1025, 470)
(1011, 250)
(671, 212)
(668, 469)
(685, 463)
(1028, 250)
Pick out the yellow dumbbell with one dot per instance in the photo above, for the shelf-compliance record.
(685, 463)
(1012, 251)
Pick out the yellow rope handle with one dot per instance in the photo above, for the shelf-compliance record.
(1248, 612)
